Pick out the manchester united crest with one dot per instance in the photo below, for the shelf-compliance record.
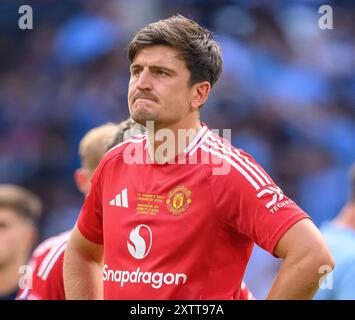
(179, 200)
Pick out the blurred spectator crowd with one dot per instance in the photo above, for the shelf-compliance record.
(287, 91)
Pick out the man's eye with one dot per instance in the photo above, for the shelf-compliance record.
(134, 72)
(162, 73)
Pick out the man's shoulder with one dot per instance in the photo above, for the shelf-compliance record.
(48, 244)
(228, 162)
(222, 148)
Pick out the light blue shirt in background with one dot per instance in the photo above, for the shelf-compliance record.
(341, 242)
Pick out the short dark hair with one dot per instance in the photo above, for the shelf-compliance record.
(25, 203)
(201, 53)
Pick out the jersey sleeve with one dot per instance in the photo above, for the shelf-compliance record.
(90, 219)
(255, 205)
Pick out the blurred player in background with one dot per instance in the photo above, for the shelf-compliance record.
(166, 230)
(20, 211)
(340, 237)
(46, 263)
(47, 258)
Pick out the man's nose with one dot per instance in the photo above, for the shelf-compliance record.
(144, 80)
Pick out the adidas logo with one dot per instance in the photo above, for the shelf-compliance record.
(121, 200)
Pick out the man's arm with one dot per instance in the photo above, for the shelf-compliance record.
(82, 268)
(304, 251)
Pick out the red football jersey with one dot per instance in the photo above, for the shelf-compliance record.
(47, 272)
(46, 268)
(182, 230)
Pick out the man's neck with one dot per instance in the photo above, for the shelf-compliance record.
(166, 142)
(346, 217)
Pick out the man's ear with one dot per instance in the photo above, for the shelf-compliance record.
(200, 93)
(82, 180)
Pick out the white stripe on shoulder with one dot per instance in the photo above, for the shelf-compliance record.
(229, 152)
(54, 259)
(219, 154)
(195, 140)
(254, 166)
(24, 294)
(50, 255)
(44, 246)
(50, 242)
(258, 174)
(200, 143)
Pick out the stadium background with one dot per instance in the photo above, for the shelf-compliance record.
(287, 92)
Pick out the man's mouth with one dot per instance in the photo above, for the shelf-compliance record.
(144, 100)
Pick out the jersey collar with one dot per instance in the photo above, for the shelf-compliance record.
(196, 142)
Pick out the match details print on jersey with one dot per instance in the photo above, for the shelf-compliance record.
(177, 201)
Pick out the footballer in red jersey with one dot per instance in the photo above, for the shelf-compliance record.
(46, 264)
(184, 232)
(46, 270)
(174, 213)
